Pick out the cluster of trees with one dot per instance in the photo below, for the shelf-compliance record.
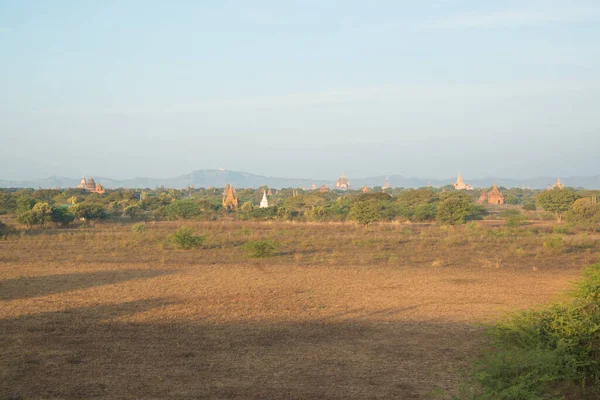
(450, 207)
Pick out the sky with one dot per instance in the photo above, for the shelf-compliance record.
(303, 89)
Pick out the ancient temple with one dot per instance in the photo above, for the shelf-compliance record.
(461, 185)
(264, 203)
(386, 185)
(342, 183)
(323, 189)
(90, 185)
(99, 189)
(482, 198)
(494, 195)
(269, 193)
(365, 189)
(558, 185)
(230, 202)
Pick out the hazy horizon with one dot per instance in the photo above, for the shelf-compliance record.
(300, 89)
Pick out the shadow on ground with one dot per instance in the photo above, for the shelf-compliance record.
(85, 353)
(34, 286)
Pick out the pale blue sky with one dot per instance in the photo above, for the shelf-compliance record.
(299, 88)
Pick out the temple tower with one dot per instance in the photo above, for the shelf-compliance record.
(495, 196)
(264, 203)
(230, 202)
(342, 183)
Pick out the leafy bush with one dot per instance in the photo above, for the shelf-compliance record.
(4, 229)
(542, 354)
(584, 213)
(183, 209)
(40, 214)
(366, 211)
(457, 209)
(562, 230)
(513, 218)
(133, 210)
(554, 242)
(529, 207)
(424, 212)
(184, 238)
(89, 211)
(61, 215)
(418, 197)
(261, 248)
(139, 228)
(8, 203)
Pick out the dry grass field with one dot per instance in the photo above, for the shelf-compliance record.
(340, 311)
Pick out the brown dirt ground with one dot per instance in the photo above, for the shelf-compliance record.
(103, 313)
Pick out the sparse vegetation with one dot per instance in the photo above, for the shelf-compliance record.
(513, 218)
(186, 238)
(261, 248)
(397, 290)
(139, 228)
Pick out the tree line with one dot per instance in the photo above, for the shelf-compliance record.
(446, 206)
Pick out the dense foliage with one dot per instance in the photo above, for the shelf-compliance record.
(446, 206)
(548, 353)
(557, 201)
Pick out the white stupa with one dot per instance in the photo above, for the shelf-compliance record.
(264, 203)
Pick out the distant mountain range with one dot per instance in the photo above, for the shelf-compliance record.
(220, 177)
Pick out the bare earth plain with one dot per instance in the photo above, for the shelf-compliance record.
(340, 311)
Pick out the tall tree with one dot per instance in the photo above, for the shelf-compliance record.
(557, 201)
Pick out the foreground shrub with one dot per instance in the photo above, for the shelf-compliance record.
(261, 248)
(547, 353)
(513, 218)
(139, 228)
(185, 238)
(562, 230)
(554, 242)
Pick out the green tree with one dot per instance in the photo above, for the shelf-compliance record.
(185, 238)
(61, 215)
(89, 211)
(247, 207)
(584, 213)
(557, 201)
(365, 212)
(132, 210)
(424, 212)
(24, 203)
(40, 214)
(457, 209)
(417, 197)
(8, 203)
(183, 209)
